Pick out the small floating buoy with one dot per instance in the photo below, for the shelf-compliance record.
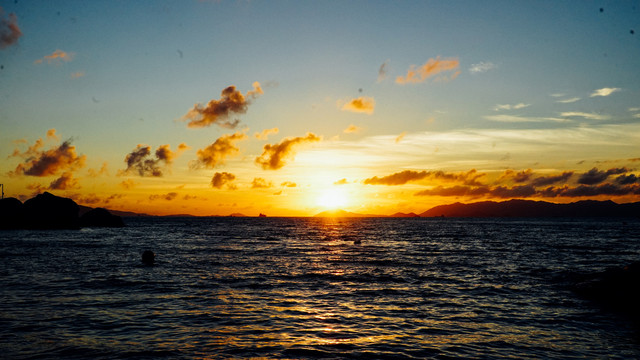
(148, 257)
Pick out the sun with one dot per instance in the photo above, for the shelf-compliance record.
(333, 198)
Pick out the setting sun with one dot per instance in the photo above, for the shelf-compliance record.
(333, 198)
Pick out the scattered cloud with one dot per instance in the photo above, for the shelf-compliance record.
(552, 179)
(482, 67)
(400, 178)
(382, 72)
(401, 136)
(516, 176)
(590, 116)
(215, 154)
(260, 183)
(627, 179)
(95, 173)
(637, 116)
(511, 107)
(352, 129)
(51, 134)
(265, 133)
(634, 109)
(128, 184)
(50, 162)
(64, 182)
(218, 112)
(77, 74)
(363, 104)
(221, 179)
(568, 101)
(141, 162)
(341, 182)
(517, 118)
(56, 56)
(9, 30)
(604, 92)
(273, 156)
(429, 69)
(288, 184)
(168, 196)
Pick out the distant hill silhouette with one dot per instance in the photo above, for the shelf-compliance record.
(529, 208)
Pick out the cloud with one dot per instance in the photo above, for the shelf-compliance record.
(288, 184)
(401, 136)
(568, 101)
(64, 182)
(51, 134)
(9, 30)
(352, 129)
(273, 156)
(552, 179)
(481, 67)
(627, 179)
(139, 160)
(516, 176)
(382, 72)
(218, 112)
(128, 184)
(430, 68)
(265, 133)
(363, 104)
(168, 196)
(215, 154)
(595, 176)
(56, 56)
(260, 183)
(221, 179)
(590, 116)
(520, 191)
(50, 162)
(604, 92)
(511, 107)
(400, 178)
(517, 118)
(77, 74)
(341, 182)
(586, 190)
(103, 171)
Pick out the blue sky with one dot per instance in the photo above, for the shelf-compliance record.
(132, 70)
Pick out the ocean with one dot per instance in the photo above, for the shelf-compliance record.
(313, 288)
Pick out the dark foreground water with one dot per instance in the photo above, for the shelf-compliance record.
(300, 288)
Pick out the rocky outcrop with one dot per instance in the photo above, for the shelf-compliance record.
(100, 217)
(47, 211)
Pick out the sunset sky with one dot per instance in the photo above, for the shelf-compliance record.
(290, 108)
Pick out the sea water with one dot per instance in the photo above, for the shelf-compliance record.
(299, 288)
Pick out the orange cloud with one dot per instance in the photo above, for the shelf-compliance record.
(103, 171)
(273, 156)
(288, 184)
(51, 134)
(9, 30)
(362, 104)
(265, 133)
(260, 183)
(56, 56)
(128, 184)
(64, 182)
(77, 74)
(218, 111)
(214, 154)
(401, 136)
(352, 129)
(168, 196)
(341, 182)
(221, 179)
(430, 68)
(50, 162)
(400, 178)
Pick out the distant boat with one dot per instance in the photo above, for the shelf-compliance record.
(262, 215)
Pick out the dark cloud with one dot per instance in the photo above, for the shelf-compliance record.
(221, 179)
(273, 156)
(168, 196)
(218, 112)
(64, 182)
(214, 154)
(627, 179)
(595, 176)
(517, 176)
(50, 162)
(382, 72)
(139, 161)
(549, 180)
(586, 190)
(9, 30)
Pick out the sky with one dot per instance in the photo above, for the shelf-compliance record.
(290, 108)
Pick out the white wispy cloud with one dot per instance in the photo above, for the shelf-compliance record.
(482, 67)
(517, 118)
(568, 101)
(590, 116)
(604, 92)
(637, 116)
(634, 109)
(557, 95)
(511, 107)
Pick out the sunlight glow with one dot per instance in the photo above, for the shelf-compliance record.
(333, 198)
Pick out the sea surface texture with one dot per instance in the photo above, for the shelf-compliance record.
(300, 288)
